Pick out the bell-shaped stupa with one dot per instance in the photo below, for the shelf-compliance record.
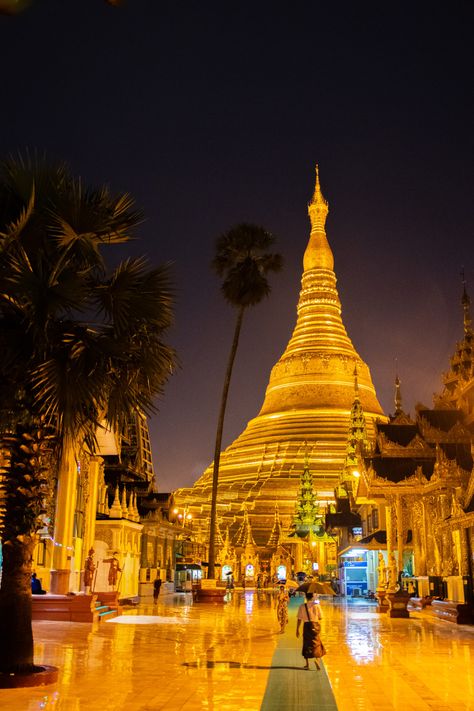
(306, 413)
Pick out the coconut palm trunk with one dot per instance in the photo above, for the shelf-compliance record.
(16, 649)
(243, 262)
(217, 451)
(23, 491)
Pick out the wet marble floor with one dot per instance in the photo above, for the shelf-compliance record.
(178, 655)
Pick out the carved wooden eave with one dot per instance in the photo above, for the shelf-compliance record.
(361, 495)
(410, 488)
(456, 523)
(441, 401)
(415, 448)
(457, 434)
(448, 472)
(402, 419)
(416, 483)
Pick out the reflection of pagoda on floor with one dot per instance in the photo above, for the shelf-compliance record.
(305, 416)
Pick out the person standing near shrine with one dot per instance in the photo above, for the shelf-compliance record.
(309, 613)
(89, 569)
(114, 569)
(156, 589)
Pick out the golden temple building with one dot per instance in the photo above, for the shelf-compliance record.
(306, 412)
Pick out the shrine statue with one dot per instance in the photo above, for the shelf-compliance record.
(89, 568)
(392, 573)
(114, 569)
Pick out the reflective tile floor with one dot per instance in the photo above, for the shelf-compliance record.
(179, 655)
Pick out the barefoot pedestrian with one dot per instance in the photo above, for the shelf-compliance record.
(309, 613)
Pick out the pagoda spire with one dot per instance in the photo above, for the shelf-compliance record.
(462, 362)
(248, 535)
(398, 397)
(466, 304)
(316, 368)
(116, 509)
(357, 435)
(275, 535)
(245, 535)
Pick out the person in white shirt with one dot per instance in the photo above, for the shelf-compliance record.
(309, 613)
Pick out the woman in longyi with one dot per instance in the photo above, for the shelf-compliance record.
(309, 613)
(282, 608)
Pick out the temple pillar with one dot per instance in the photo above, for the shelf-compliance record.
(95, 471)
(298, 556)
(400, 530)
(64, 520)
(390, 528)
(419, 537)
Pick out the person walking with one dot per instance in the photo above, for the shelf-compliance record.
(309, 613)
(156, 589)
(282, 608)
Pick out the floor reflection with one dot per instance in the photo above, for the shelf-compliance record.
(177, 655)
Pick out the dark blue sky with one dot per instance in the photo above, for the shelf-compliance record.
(215, 113)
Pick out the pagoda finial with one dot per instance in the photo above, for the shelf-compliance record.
(466, 304)
(318, 207)
(398, 396)
(275, 535)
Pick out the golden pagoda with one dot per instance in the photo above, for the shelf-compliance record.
(306, 412)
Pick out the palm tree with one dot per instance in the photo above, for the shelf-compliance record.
(79, 345)
(243, 261)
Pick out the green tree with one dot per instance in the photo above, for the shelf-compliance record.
(243, 260)
(80, 345)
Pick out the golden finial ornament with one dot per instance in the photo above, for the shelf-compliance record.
(318, 207)
(318, 253)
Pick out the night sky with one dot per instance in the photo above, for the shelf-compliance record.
(214, 114)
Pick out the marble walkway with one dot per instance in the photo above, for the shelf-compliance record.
(183, 656)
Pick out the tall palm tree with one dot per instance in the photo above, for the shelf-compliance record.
(79, 345)
(243, 260)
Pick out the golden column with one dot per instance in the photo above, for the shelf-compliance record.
(95, 474)
(64, 520)
(400, 530)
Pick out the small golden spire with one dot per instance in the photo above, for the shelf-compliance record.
(398, 396)
(466, 304)
(318, 207)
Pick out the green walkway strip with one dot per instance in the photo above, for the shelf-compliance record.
(289, 686)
